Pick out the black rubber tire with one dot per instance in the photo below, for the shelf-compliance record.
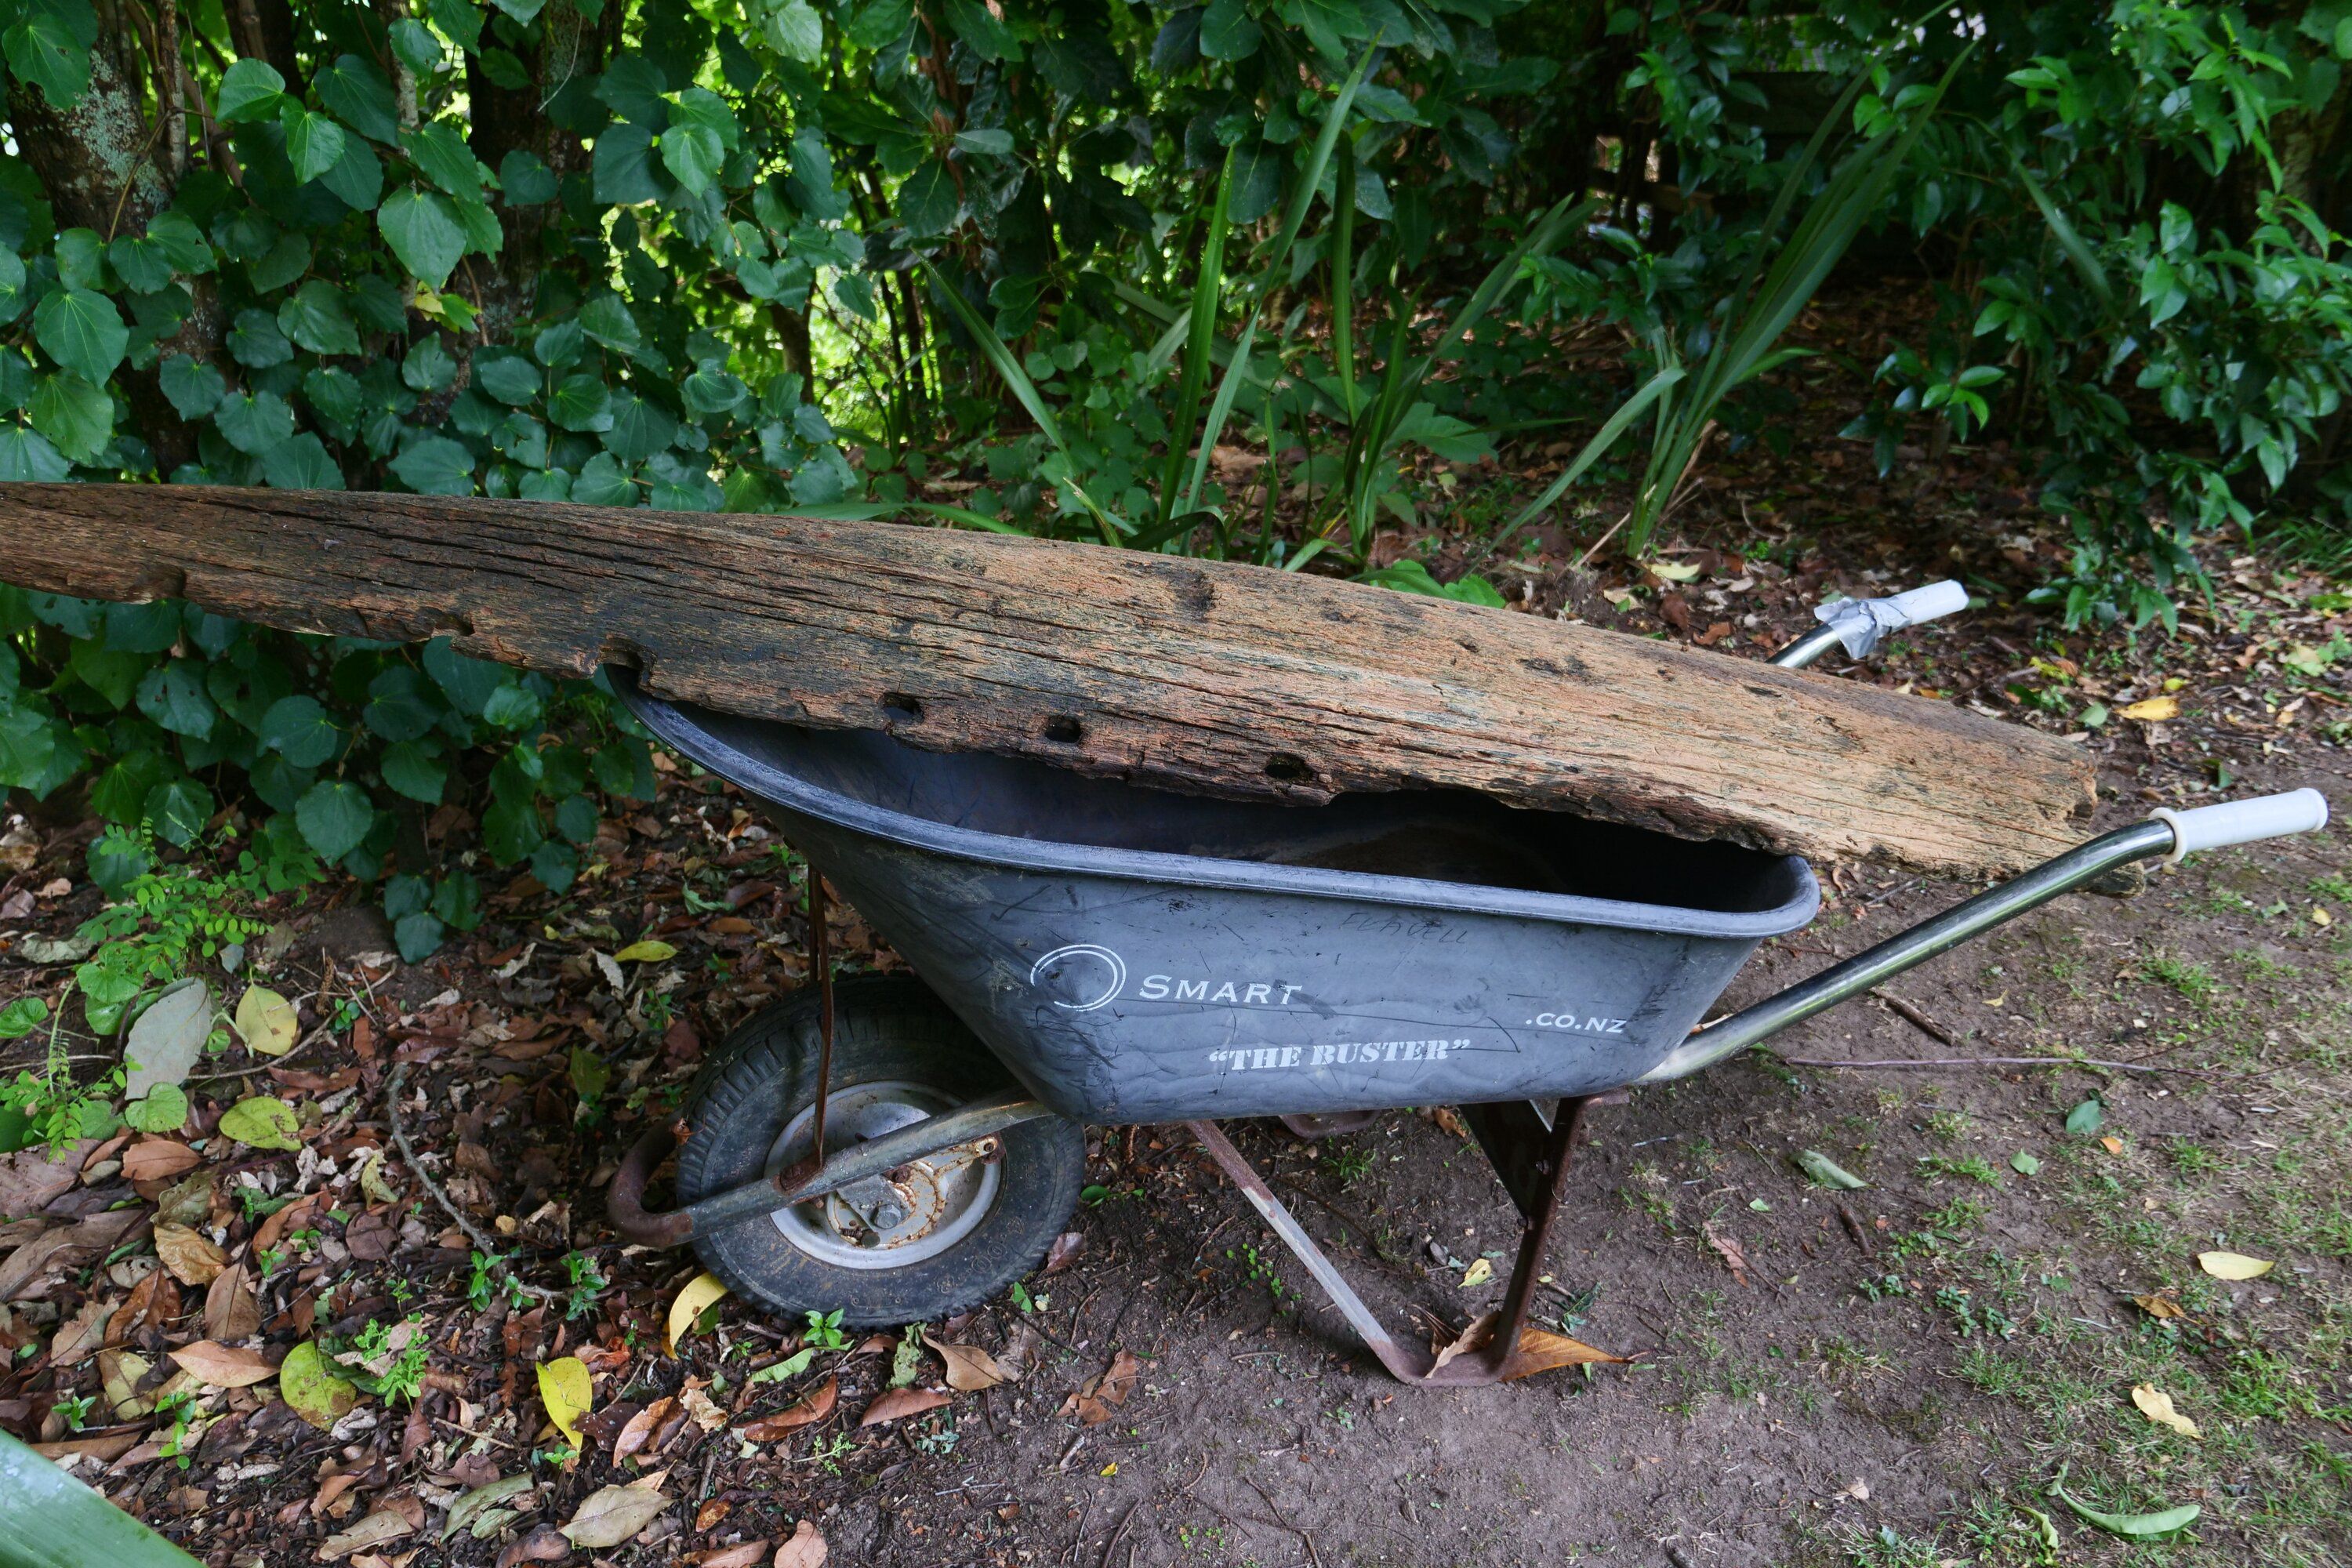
(884, 1027)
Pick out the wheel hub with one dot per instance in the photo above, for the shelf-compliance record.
(903, 1217)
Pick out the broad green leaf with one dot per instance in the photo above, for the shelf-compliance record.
(442, 156)
(639, 428)
(928, 202)
(525, 180)
(194, 387)
(314, 143)
(250, 90)
(1827, 1172)
(357, 177)
(2085, 1117)
(81, 331)
(309, 1384)
(26, 457)
(172, 694)
(164, 1108)
(300, 730)
(581, 402)
(263, 1121)
(436, 465)
(255, 424)
(423, 232)
(693, 155)
(76, 416)
(622, 169)
(650, 951)
(335, 817)
(796, 31)
(316, 318)
(302, 463)
(411, 770)
(266, 1021)
(355, 92)
(42, 49)
(1227, 32)
(179, 808)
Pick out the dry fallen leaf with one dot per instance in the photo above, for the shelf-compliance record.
(970, 1368)
(565, 1389)
(2157, 1406)
(743, 1554)
(1538, 1350)
(2234, 1265)
(2159, 1306)
(231, 1312)
(898, 1404)
(157, 1160)
(385, 1524)
(641, 1429)
(1730, 1252)
(813, 1407)
(545, 1543)
(2151, 709)
(1095, 1399)
(692, 1302)
(610, 1515)
(189, 1254)
(1064, 1251)
(224, 1366)
(805, 1550)
(2113, 1145)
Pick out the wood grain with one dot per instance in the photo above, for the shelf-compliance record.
(1191, 675)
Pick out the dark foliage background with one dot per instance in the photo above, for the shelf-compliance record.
(789, 254)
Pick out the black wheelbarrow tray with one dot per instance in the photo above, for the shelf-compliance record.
(1092, 951)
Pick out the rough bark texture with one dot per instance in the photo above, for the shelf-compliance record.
(1194, 675)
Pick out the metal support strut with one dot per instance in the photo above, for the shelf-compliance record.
(1552, 1145)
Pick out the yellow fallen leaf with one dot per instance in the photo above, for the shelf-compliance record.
(2159, 1307)
(266, 1021)
(564, 1388)
(2113, 1145)
(691, 1304)
(2157, 1406)
(2152, 710)
(1675, 571)
(1109, 1469)
(2320, 917)
(2234, 1265)
(647, 951)
(1480, 1271)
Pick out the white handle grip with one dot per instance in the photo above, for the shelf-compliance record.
(1860, 623)
(2242, 821)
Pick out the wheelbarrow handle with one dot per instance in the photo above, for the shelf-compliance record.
(2166, 836)
(1859, 624)
(2242, 821)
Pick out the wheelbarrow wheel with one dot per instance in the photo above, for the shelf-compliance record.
(945, 1234)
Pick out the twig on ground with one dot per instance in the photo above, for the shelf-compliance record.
(483, 1246)
(1938, 1062)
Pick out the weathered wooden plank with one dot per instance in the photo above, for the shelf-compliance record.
(1194, 675)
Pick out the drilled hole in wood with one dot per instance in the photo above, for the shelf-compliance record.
(1289, 769)
(903, 708)
(1061, 727)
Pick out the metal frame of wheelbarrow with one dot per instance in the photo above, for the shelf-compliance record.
(1530, 1145)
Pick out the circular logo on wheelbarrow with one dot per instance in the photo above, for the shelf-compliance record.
(1080, 977)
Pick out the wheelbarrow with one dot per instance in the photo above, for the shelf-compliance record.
(1095, 951)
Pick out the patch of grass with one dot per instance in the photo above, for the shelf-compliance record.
(2194, 1160)
(2194, 981)
(1973, 1167)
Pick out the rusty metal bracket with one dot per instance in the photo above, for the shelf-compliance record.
(1532, 1156)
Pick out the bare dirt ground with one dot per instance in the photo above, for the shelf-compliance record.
(1896, 1375)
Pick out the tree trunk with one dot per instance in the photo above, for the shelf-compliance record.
(1199, 676)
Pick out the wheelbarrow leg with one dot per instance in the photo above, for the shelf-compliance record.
(1499, 1358)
